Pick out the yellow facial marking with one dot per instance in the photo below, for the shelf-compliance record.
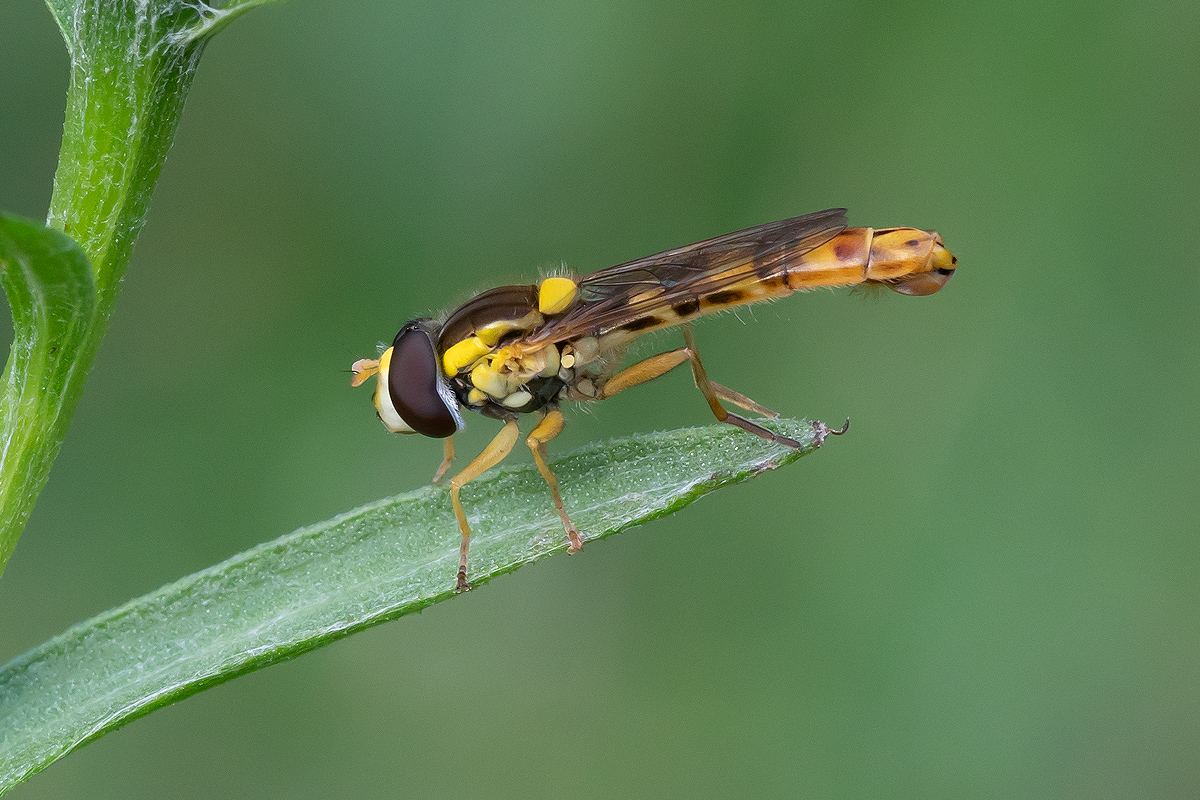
(380, 397)
(476, 397)
(463, 354)
(556, 294)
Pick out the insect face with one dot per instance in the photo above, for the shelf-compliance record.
(412, 395)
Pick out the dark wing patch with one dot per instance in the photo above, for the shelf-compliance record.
(617, 295)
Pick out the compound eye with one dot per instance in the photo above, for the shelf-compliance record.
(414, 383)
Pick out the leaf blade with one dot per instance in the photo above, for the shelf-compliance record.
(328, 580)
(50, 289)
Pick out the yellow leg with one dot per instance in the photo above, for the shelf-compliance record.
(492, 455)
(653, 367)
(740, 400)
(551, 426)
(447, 457)
(710, 394)
(701, 377)
(659, 365)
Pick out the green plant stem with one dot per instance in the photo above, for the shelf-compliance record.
(131, 66)
(334, 578)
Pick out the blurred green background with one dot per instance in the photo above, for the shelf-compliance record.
(989, 589)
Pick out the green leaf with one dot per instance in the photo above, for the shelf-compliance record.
(334, 578)
(48, 281)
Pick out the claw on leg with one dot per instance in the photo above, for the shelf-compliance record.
(822, 430)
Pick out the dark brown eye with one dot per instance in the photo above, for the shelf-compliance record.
(415, 383)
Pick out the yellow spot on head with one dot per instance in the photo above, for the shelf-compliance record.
(463, 354)
(556, 294)
(476, 397)
(380, 398)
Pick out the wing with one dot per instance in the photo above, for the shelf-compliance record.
(622, 293)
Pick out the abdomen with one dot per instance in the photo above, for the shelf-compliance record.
(842, 261)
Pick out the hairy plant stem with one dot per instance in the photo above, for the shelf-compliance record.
(131, 66)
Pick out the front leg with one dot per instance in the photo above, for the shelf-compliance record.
(492, 455)
(447, 458)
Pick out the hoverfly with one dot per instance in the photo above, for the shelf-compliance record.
(525, 349)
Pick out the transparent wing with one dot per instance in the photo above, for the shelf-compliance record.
(625, 292)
